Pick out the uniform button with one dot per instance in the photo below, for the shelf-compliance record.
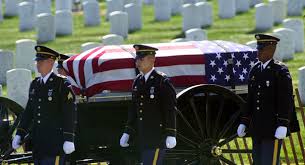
(141, 104)
(142, 96)
(258, 93)
(141, 111)
(38, 114)
(259, 86)
(39, 100)
(160, 125)
(141, 118)
(257, 108)
(38, 121)
(257, 101)
(38, 107)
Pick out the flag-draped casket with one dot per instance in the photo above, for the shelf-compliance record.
(112, 68)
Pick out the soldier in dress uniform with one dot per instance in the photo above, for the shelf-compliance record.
(49, 113)
(270, 103)
(60, 68)
(153, 112)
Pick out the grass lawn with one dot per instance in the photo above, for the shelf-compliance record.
(239, 29)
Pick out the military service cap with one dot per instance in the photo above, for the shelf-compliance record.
(143, 50)
(61, 59)
(43, 53)
(265, 40)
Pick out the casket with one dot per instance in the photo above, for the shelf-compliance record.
(112, 68)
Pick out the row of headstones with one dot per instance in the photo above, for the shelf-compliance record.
(275, 12)
(291, 39)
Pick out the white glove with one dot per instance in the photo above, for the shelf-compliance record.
(280, 132)
(241, 130)
(16, 142)
(171, 142)
(124, 140)
(68, 147)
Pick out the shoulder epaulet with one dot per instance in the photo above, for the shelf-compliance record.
(61, 76)
(281, 68)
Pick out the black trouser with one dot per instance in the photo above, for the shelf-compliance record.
(266, 151)
(50, 160)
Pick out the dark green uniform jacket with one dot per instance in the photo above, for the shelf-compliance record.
(50, 112)
(153, 112)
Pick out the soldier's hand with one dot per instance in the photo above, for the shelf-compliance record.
(68, 147)
(16, 142)
(241, 130)
(124, 140)
(171, 142)
(280, 132)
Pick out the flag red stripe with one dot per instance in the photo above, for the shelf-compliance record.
(95, 66)
(125, 85)
(81, 67)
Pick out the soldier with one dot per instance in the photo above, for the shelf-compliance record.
(153, 112)
(60, 68)
(270, 103)
(51, 111)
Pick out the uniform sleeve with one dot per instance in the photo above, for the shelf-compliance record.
(26, 117)
(246, 113)
(284, 97)
(169, 107)
(130, 126)
(69, 111)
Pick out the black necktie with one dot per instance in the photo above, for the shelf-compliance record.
(143, 79)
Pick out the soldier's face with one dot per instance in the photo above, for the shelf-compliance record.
(266, 53)
(45, 66)
(145, 64)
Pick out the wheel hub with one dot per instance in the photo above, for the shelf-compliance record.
(216, 151)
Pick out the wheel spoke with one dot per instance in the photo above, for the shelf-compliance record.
(199, 122)
(227, 140)
(187, 141)
(207, 115)
(234, 151)
(219, 114)
(226, 160)
(228, 124)
(188, 124)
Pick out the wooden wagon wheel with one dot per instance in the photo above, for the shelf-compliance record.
(207, 120)
(9, 110)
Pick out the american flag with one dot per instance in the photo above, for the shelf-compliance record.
(185, 63)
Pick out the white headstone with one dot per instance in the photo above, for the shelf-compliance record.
(295, 7)
(255, 2)
(301, 86)
(226, 8)
(205, 12)
(137, 2)
(190, 1)
(112, 39)
(18, 84)
(134, 13)
(119, 23)
(179, 40)
(6, 63)
(279, 53)
(1, 15)
(42, 6)
(63, 5)
(189, 12)
(26, 16)
(45, 28)
(25, 53)
(0, 90)
(91, 13)
(263, 17)
(114, 5)
(11, 8)
(162, 10)
(298, 26)
(279, 10)
(64, 22)
(287, 42)
(176, 6)
(196, 35)
(252, 44)
(148, 2)
(89, 45)
(242, 6)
